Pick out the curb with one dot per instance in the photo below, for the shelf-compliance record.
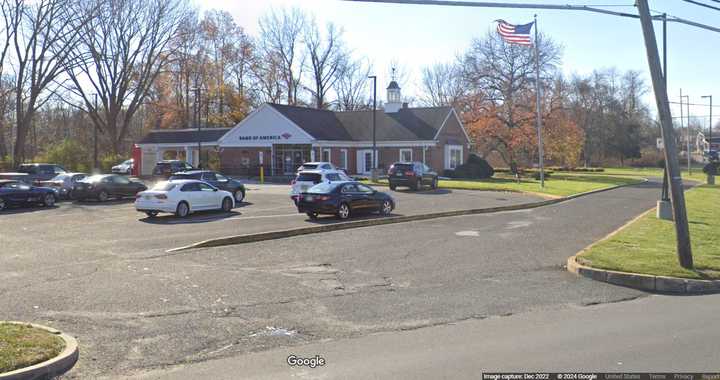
(50, 368)
(280, 234)
(644, 282)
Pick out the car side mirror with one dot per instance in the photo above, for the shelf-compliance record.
(214, 189)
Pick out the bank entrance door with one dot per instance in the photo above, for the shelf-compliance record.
(287, 158)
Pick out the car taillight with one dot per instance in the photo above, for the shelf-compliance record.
(160, 196)
(409, 173)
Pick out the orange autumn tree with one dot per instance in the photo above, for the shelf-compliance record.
(492, 133)
(563, 139)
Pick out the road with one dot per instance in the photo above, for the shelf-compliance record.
(651, 334)
(136, 310)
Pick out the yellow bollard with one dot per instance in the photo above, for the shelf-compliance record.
(262, 175)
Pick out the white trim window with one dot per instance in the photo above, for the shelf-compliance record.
(453, 156)
(343, 164)
(326, 156)
(406, 155)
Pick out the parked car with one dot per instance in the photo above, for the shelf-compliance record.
(309, 178)
(166, 168)
(343, 199)
(414, 175)
(317, 166)
(40, 172)
(222, 182)
(125, 167)
(182, 197)
(105, 186)
(22, 177)
(64, 183)
(16, 193)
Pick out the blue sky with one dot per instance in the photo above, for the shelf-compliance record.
(417, 36)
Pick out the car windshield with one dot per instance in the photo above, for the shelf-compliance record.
(184, 176)
(403, 167)
(309, 166)
(163, 186)
(60, 177)
(92, 178)
(309, 177)
(322, 188)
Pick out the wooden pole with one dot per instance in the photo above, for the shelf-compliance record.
(677, 196)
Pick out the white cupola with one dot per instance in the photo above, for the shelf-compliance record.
(394, 99)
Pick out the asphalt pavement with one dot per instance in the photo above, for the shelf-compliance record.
(136, 310)
(652, 334)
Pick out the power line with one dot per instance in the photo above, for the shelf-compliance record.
(695, 104)
(486, 4)
(701, 4)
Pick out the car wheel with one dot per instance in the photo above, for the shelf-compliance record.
(182, 210)
(227, 204)
(103, 196)
(151, 214)
(239, 196)
(312, 215)
(343, 211)
(386, 208)
(2, 204)
(49, 200)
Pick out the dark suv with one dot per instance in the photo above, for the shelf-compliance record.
(216, 179)
(166, 168)
(40, 172)
(414, 175)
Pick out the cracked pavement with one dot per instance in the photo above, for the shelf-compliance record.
(136, 309)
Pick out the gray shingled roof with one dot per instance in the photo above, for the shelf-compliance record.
(182, 136)
(408, 124)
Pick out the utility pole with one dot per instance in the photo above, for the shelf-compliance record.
(374, 148)
(684, 250)
(710, 127)
(197, 124)
(664, 196)
(95, 138)
(687, 128)
(538, 113)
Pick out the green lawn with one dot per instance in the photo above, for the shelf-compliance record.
(558, 184)
(648, 245)
(22, 346)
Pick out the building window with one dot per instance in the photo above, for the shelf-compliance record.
(453, 156)
(405, 155)
(326, 155)
(342, 163)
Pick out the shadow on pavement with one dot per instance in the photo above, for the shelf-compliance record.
(10, 210)
(197, 217)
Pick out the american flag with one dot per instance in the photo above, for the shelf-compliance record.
(515, 34)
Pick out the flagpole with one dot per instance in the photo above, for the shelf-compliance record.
(538, 115)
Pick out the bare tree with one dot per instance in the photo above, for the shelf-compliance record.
(45, 37)
(280, 38)
(327, 56)
(352, 86)
(122, 51)
(11, 19)
(442, 84)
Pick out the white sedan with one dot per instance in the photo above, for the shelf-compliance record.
(182, 197)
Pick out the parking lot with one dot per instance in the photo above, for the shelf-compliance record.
(101, 272)
(116, 227)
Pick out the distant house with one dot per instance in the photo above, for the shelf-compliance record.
(280, 138)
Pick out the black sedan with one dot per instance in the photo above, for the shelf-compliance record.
(105, 186)
(343, 199)
(16, 193)
(222, 182)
